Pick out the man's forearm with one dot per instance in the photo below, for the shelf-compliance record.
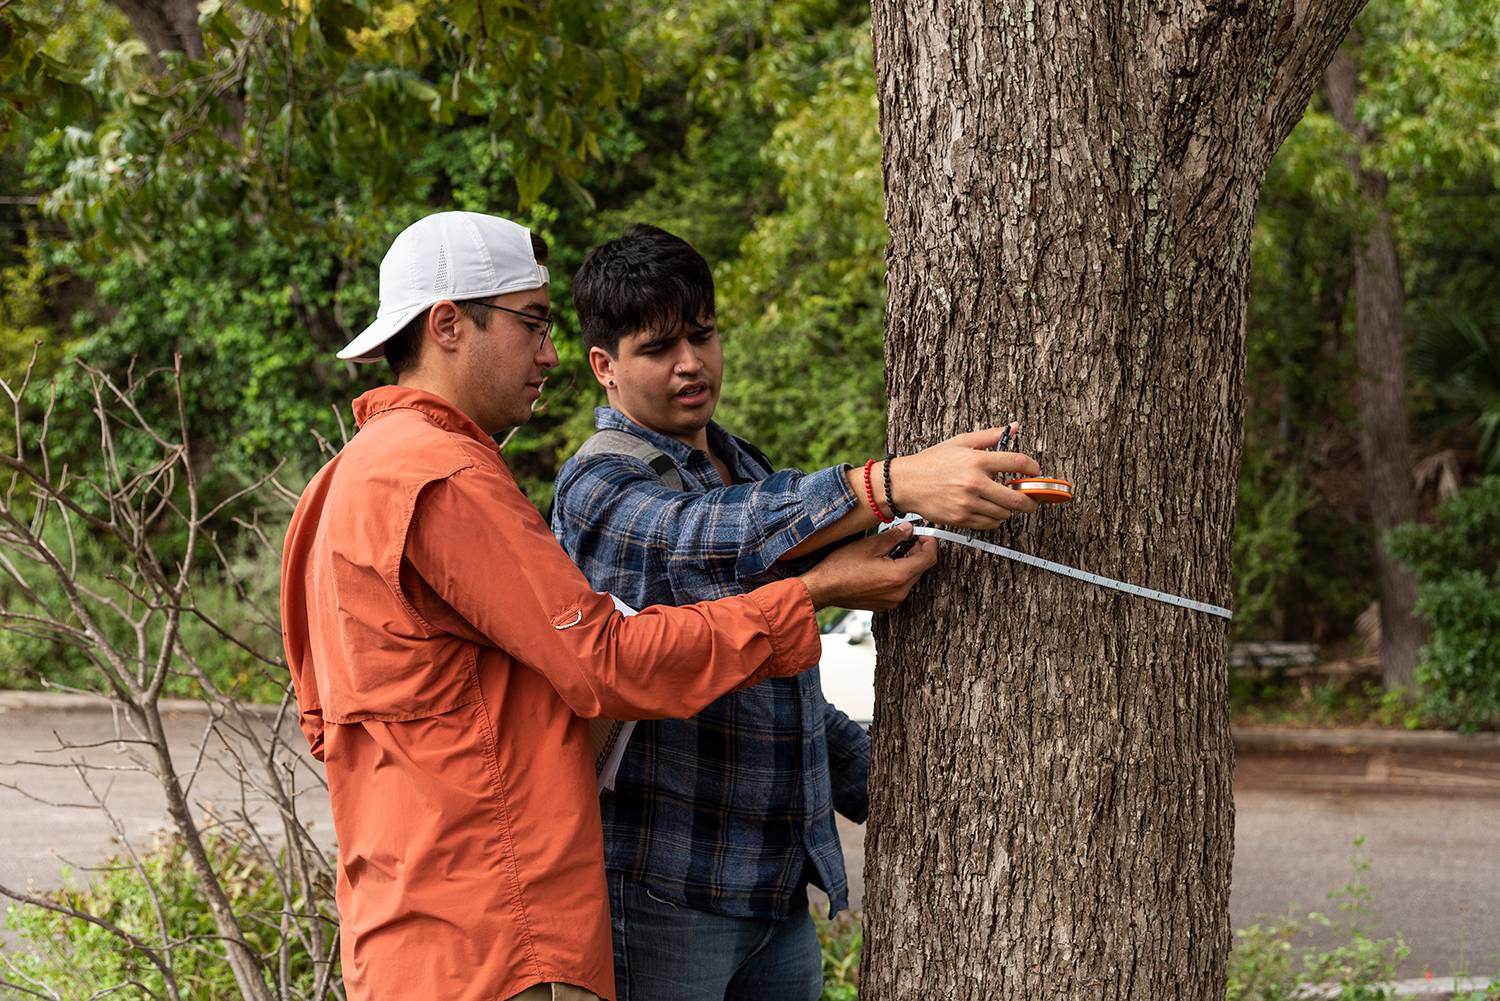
(860, 519)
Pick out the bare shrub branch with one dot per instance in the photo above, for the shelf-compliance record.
(124, 558)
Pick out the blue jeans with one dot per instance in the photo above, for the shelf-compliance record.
(671, 952)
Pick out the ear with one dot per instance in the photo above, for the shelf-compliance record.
(603, 366)
(444, 329)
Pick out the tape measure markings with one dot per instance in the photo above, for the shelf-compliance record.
(1074, 572)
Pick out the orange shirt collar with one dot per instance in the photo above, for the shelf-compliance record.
(439, 411)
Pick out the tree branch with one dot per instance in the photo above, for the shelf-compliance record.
(1305, 36)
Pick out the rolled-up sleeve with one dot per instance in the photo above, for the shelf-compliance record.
(483, 550)
(736, 532)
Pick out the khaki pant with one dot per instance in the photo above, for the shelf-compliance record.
(555, 992)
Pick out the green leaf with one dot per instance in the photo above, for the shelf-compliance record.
(422, 91)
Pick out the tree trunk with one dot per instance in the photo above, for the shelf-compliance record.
(1070, 194)
(165, 26)
(172, 26)
(1380, 340)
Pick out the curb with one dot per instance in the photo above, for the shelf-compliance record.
(11, 700)
(1426, 989)
(1248, 740)
(1426, 763)
(1352, 740)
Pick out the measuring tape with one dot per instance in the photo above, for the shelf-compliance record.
(1064, 569)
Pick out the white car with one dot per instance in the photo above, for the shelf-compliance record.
(848, 666)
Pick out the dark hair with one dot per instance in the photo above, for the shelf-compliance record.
(403, 350)
(646, 278)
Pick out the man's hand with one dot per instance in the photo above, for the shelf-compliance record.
(953, 482)
(863, 575)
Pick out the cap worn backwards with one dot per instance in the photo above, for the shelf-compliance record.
(450, 255)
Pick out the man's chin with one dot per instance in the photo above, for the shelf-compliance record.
(691, 420)
(513, 422)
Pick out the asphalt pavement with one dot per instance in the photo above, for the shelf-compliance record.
(1432, 845)
(1434, 870)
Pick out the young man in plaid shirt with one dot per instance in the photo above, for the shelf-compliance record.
(717, 823)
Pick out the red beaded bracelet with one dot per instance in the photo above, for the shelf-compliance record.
(870, 494)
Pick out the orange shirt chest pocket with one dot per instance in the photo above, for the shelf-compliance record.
(382, 659)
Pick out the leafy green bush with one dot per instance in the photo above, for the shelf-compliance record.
(843, 941)
(82, 960)
(1461, 362)
(1257, 701)
(1457, 563)
(1268, 551)
(1266, 964)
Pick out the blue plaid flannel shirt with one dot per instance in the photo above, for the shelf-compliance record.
(731, 811)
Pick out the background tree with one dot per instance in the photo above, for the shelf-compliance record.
(1415, 122)
(1070, 195)
(1380, 347)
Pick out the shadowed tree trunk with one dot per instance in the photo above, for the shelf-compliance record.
(165, 26)
(172, 26)
(1070, 194)
(1380, 345)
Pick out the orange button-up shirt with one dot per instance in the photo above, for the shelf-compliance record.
(445, 653)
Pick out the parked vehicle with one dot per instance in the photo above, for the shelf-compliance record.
(848, 665)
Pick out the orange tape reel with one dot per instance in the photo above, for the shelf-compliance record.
(1043, 489)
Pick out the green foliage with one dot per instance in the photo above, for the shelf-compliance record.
(32, 74)
(1280, 701)
(1429, 99)
(268, 101)
(61, 951)
(232, 208)
(1461, 363)
(1299, 553)
(739, 178)
(803, 304)
(1267, 964)
(1430, 88)
(1457, 563)
(842, 940)
(1267, 542)
(25, 338)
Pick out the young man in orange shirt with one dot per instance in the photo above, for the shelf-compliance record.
(445, 651)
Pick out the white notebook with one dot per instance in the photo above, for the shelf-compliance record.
(610, 736)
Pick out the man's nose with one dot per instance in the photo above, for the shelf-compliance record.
(687, 360)
(546, 356)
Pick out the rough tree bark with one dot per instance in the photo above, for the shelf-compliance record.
(1070, 193)
(1380, 347)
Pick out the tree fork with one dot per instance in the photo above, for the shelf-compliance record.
(1070, 192)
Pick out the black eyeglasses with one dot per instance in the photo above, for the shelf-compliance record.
(545, 321)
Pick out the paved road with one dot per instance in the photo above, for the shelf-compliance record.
(1435, 869)
(1435, 865)
(47, 813)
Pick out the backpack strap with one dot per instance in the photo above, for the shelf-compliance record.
(612, 441)
(754, 453)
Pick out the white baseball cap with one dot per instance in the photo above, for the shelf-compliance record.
(450, 255)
